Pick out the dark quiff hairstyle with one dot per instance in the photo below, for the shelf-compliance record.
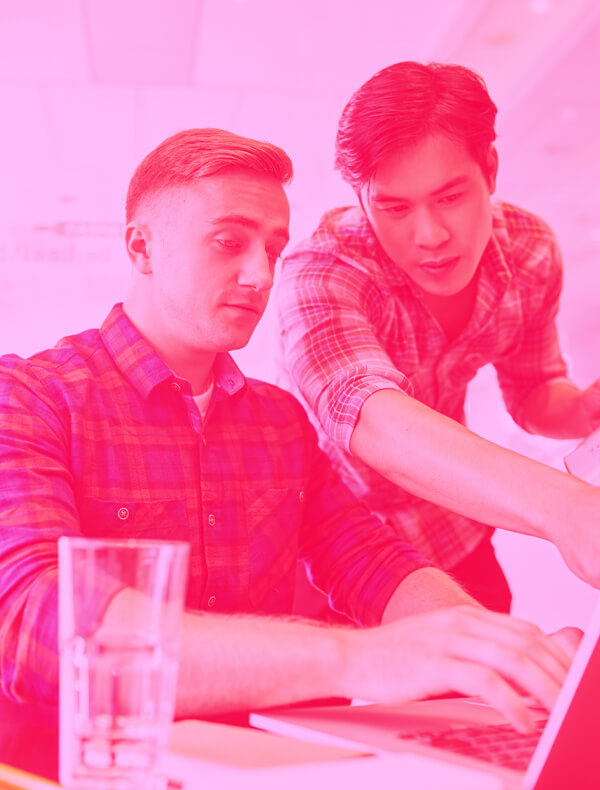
(185, 157)
(403, 103)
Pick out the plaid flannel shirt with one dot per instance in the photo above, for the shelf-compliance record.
(352, 323)
(97, 436)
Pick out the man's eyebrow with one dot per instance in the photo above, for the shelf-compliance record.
(248, 222)
(454, 182)
(382, 197)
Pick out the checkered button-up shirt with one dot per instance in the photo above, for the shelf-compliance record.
(352, 323)
(98, 437)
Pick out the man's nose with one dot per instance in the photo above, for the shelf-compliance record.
(429, 231)
(257, 272)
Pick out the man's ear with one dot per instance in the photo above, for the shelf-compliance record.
(137, 238)
(492, 168)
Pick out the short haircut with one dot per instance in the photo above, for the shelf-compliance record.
(405, 102)
(187, 156)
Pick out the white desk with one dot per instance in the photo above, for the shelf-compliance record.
(301, 766)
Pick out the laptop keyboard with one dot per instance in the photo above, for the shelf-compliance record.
(500, 744)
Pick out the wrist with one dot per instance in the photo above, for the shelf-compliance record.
(356, 668)
(338, 669)
(574, 503)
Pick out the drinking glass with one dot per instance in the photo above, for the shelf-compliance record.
(120, 617)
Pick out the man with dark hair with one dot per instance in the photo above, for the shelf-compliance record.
(146, 428)
(390, 308)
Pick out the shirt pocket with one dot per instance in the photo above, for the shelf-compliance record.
(273, 525)
(163, 519)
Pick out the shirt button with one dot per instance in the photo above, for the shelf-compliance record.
(176, 386)
(123, 513)
(212, 600)
(211, 520)
(301, 496)
(204, 440)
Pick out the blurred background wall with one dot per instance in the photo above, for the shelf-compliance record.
(88, 87)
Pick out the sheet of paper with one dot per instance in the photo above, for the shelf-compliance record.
(246, 747)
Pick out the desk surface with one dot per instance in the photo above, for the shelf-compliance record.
(29, 741)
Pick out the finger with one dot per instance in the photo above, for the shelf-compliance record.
(534, 675)
(521, 651)
(568, 639)
(473, 679)
(555, 655)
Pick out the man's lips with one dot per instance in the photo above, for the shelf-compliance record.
(439, 265)
(250, 307)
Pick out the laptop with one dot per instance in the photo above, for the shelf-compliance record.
(564, 754)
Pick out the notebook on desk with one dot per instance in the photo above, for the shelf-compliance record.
(565, 755)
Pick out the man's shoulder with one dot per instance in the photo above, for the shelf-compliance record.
(272, 394)
(517, 223)
(70, 360)
(341, 232)
(342, 221)
(278, 405)
(528, 243)
(342, 238)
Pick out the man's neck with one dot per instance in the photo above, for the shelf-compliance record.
(197, 369)
(186, 363)
(453, 312)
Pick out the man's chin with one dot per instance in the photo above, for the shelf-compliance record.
(238, 341)
(446, 289)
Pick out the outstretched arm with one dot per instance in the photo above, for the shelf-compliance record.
(434, 457)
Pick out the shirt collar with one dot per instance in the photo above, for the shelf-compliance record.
(143, 368)
(227, 374)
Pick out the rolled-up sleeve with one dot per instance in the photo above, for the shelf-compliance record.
(329, 311)
(357, 559)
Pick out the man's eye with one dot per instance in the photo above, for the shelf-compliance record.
(229, 243)
(452, 198)
(396, 210)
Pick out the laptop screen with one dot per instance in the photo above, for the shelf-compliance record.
(568, 754)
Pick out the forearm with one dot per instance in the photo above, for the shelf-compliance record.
(438, 459)
(424, 590)
(234, 662)
(556, 409)
(239, 662)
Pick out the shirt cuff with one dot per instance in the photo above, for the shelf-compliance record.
(372, 599)
(343, 403)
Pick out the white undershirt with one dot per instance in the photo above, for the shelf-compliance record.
(203, 399)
